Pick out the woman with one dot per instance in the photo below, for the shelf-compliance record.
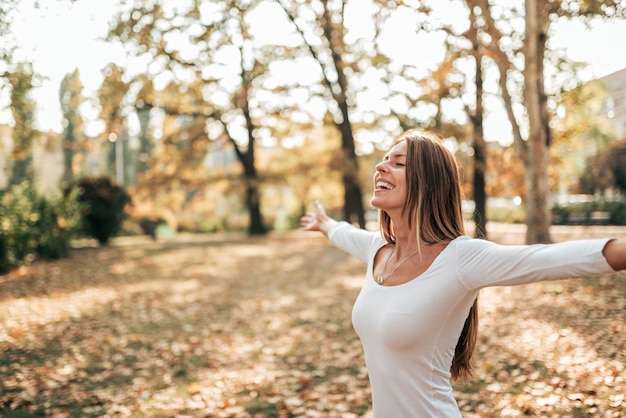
(416, 314)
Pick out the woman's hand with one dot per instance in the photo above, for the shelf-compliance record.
(317, 221)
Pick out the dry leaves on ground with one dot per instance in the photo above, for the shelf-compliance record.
(230, 326)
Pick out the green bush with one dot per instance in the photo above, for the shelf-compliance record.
(104, 205)
(617, 212)
(33, 226)
(582, 213)
(17, 237)
(58, 224)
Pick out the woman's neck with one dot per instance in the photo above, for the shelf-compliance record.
(406, 240)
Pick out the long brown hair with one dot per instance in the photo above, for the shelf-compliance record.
(434, 208)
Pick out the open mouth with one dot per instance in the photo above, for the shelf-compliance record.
(384, 185)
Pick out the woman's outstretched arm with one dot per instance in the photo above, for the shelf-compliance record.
(318, 220)
(615, 253)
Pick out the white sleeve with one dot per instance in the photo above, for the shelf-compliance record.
(351, 239)
(482, 263)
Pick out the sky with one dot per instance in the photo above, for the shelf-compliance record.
(61, 37)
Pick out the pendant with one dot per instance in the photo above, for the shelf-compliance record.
(380, 280)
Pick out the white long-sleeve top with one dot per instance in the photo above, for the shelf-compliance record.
(409, 331)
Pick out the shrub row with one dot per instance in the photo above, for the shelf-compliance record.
(609, 212)
(33, 226)
(37, 227)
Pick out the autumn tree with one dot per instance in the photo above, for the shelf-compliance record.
(457, 82)
(580, 133)
(217, 82)
(175, 166)
(24, 133)
(144, 104)
(468, 47)
(606, 170)
(537, 218)
(314, 167)
(505, 172)
(615, 163)
(476, 118)
(7, 45)
(525, 88)
(73, 138)
(321, 25)
(113, 112)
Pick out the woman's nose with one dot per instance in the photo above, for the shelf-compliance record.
(381, 166)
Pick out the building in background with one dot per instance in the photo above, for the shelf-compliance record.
(615, 84)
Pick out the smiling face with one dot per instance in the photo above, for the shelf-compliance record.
(418, 182)
(390, 180)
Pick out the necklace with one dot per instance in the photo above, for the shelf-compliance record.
(380, 279)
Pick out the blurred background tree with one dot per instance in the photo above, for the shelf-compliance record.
(605, 170)
(7, 43)
(579, 134)
(321, 38)
(114, 114)
(246, 111)
(524, 89)
(73, 139)
(614, 159)
(24, 132)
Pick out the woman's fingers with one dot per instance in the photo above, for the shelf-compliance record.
(319, 207)
(307, 221)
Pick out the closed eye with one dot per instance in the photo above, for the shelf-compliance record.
(396, 159)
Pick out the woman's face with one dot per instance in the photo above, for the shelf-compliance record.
(390, 189)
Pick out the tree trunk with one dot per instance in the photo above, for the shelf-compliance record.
(68, 158)
(480, 157)
(476, 118)
(69, 150)
(333, 33)
(21, 171)
(145, 146)
(536, 161)
(253, 202)
(353, 197)
(353, 210)
(253, 196)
